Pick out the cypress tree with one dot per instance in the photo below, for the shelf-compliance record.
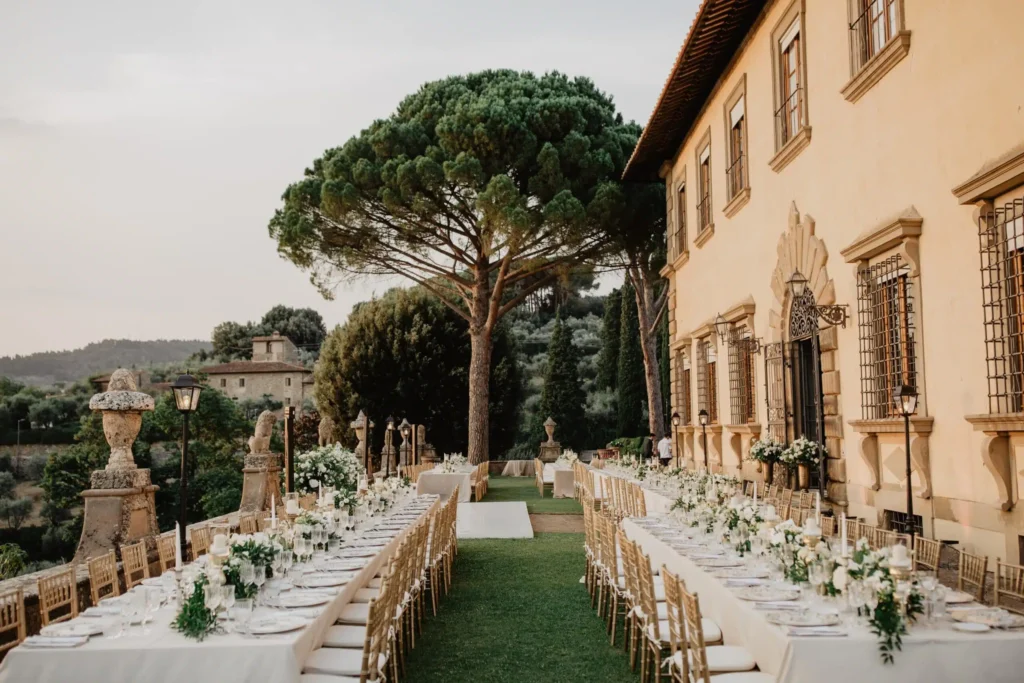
(631, 382)
(562, 397)
(608, 361)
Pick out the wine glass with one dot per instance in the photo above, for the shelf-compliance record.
(152, 604)
(243, 614)
(259, 578)
(212, 597)
(246, 572)
(287, 559)
(228, 600)
(276, 562)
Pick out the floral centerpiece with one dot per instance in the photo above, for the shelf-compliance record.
(742, 520)
(889, 605)
(801, 452)
(194, 619)
(332, 466)
(453, 462)
(568, 458)
(257, 549)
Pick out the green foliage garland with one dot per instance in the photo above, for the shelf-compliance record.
(194, 620)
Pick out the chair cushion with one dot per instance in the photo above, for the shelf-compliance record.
(335, 661)
(712, 634)
(724, 658)
(345, 636)
(366, 594)
(745, 677)
(324, 678)
(376, 581)
(355, 613)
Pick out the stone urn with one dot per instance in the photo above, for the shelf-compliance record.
(120, 505)
(550, 449)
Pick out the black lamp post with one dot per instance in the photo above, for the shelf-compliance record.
(905, 398)
(676, 421)
(406, 429)
(391, 446)
(186, 398)
(702, 416)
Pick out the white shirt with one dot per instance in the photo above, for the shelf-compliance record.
(665, 448)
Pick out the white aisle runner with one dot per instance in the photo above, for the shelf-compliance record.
(493, 520)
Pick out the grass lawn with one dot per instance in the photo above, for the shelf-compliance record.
(517, 612)
(504, 489)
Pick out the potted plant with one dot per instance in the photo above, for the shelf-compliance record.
(802, 453)
(766, 452)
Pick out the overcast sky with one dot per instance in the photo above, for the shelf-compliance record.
(144, 146)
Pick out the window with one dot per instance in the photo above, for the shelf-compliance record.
(287, 381)
(871, 30)
(680, 244)
(287, 401)
(683, 387)
(788, 116)
(1001, 232)
(241, 381)
(707, 380)
(736, 135)
(704, 189)
(898, 522)
(269, 347)
(223, 383)
(741, 378)
(886, 320)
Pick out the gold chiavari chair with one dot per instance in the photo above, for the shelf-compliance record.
(634, 620)
(828, 526)
(676, 627)
(639, 501)
(852, 530)
(798, 515)
(1009, 583)
(771, 494)
(103, 582)
(135, 564)
(617, 589)
(367, 661)
(165, 550)
(308, 501)
(867, 532)
(57, 591)
(12, 618)
(971, 574)
(926, 554)
(703, 660)
(200, 541)
(656, 631)
(247, 523)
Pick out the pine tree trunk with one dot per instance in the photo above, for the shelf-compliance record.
(480, 333)
(649, 343)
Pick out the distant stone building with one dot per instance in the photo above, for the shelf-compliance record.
(273, 371)
(143, 380)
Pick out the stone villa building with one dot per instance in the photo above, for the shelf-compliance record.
(274, 370)
(875, 149)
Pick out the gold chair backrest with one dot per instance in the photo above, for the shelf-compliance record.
(103, 581)
(971, 575)
(12, 617)
(165, 549)
(676, 618)
(641, 502)
(629, 562)
(56, 591)
(697, 662)
(134, 563)
(852, 529)
(200, 541)
(247, 523)
(1009, 582)
(828, 526)
(645, 582)
(926, 554)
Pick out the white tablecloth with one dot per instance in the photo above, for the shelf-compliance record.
(518, 468)
(657, 503)
(562, 479)
(443, 483)
(165, 655)
(930, 655)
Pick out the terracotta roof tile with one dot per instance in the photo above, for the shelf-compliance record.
(716, 34)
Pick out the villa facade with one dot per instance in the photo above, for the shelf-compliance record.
(873, 148)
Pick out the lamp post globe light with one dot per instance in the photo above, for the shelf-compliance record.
(405, 429)
(186, 399)
(905, 399)
(721, 326)
(702, 417)
(797, 284)
(676, 421)
(390, 446)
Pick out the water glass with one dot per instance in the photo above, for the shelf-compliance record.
(242, 614)
(287, 558)
(228, 600)
(259, 578)
(212, 597)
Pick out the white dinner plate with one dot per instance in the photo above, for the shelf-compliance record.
(970, 627)
(767, 594)
(276, 624)
(325, 580)
(303, 599)
(958, 598)
(75, 629)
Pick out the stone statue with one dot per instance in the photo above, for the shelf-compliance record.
(259, 443)
(327, 430)
(362, 426)
(426, 452)
(120, 504)
(550, 449)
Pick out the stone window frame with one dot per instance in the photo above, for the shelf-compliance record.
(865, 74)
(241, 382)
(994, 180)
(705, 231)
(677, 247)
(898, 234)
(786, 151)
(287, 381)
(737, 200)
(223, 383)
(705, 334)
(685, 432)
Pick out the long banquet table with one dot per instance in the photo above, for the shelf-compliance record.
(930, 653)
(443, 483)
(657, 503)
(165, 655)
(562, 480)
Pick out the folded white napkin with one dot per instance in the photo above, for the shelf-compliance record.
(55, 641)
(804, 631)
(102, 611)
(777, 606)
(740, 581)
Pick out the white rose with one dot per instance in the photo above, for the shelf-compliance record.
(314, 483)
(839, 578)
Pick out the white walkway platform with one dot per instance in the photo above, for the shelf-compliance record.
(493, 520)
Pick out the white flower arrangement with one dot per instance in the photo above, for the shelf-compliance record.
(331, 466)
(568, 457)
(766, 450)
(802, 452)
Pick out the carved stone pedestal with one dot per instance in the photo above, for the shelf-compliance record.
(549, 451)
(261, 481)
(119, 508)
